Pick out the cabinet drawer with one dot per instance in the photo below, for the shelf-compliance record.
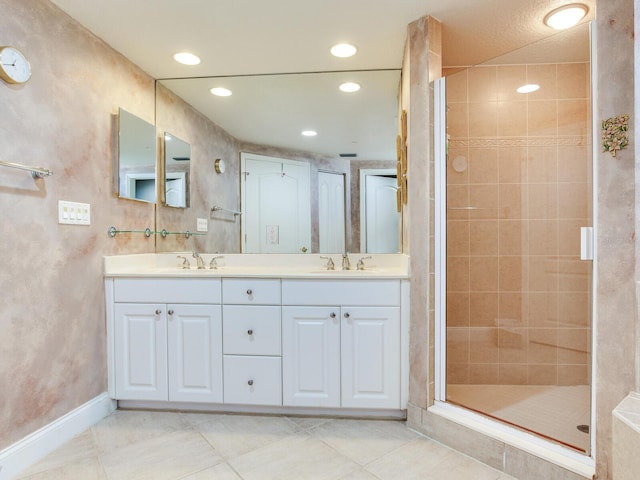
(252, 380)
(341, 292)
(251, 330)
(167, 290)
(246, 291)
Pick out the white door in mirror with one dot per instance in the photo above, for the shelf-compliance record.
(14, 66)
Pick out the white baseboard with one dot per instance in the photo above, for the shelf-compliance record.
(24, 453)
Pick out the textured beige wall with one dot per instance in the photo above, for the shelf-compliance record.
(52, 311)
(52, 316)
(615, 319)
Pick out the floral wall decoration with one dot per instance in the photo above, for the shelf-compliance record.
(615, 133)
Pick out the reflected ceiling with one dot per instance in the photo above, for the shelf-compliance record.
(274, 109)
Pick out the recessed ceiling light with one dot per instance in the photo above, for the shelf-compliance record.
(566, 16)
(349, 87)
(186, 58)
(528, 88)
(343, 50)
(309, 133)
(221, 92)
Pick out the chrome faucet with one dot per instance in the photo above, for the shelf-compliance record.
(185, 262)
(360, 265)
(199, 260)
(346, 264)
(330, 265)
(213, 265)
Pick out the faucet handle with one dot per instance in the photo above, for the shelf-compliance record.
(185, 262)
(213, 265)
(330, 265)
(199, 260)
(361, 265)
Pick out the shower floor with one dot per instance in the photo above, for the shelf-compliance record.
(551, 411)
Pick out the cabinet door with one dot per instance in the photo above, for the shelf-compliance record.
(370, 357)
(140, 351)
(311, 356)
(195, 353)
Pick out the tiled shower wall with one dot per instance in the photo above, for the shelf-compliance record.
(518, 191)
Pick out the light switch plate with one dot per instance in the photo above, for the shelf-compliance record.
(203, 225)
(74, 213)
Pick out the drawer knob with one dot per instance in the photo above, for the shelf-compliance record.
(249, 332)
(249, 292)
(158, 312)
(170, 312)
(346, 315)
(250, 382)
(332, 315)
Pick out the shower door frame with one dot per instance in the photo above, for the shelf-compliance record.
(461, 414)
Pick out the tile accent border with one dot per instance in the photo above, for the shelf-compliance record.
(24, 453)
(493, 142)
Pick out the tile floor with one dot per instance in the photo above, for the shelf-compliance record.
(194, 446)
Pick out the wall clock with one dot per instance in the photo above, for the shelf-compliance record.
(14, 66)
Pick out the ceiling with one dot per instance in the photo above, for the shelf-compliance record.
(245, 38)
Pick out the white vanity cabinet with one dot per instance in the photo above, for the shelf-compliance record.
(341, 343)
(295, 343)
(251, 341)
(166, 346)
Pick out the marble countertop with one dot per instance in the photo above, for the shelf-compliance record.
(256, 265)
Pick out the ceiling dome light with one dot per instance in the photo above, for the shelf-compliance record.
(343, 50)
(567, 16)
(528, 88)
(186, 58)
(349, 87)
(221, 92)
(309, 133)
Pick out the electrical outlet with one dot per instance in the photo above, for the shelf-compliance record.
(74, 213)
(203, 225)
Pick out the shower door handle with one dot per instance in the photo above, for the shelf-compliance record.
(586, 243)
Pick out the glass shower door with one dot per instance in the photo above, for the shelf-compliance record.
(518, 294)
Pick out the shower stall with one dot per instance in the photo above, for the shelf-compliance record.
(516, 224)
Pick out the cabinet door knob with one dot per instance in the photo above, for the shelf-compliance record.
(158, 312)
(346, 315)
(249, 292)
(250, 382)
(249, 332)
(170, 312)
(332, 315)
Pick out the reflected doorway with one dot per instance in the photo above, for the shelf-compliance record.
(379, 216)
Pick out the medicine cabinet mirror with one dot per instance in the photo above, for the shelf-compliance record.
(136, 158)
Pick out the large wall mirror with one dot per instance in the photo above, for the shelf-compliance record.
(267, 114)
(176, 168)
(136, 158)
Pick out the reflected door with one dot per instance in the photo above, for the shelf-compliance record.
(382, 220)
(331, 211)
(276, 209)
